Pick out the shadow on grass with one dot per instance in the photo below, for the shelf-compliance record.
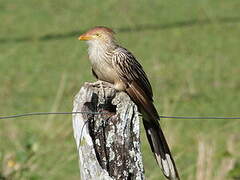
(136, 28)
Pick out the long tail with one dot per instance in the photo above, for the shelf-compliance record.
(160, 148)
(154, 132)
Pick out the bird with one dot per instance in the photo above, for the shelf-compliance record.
(116, 65)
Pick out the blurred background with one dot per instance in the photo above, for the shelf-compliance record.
(189, 49)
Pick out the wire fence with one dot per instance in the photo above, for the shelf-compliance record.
(98, 113)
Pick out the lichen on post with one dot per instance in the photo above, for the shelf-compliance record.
(108, 142)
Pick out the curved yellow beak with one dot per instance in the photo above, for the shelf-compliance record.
(84, 37)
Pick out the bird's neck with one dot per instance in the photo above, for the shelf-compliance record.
(98, 50)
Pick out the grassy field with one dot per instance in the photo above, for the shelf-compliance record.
(189, 49)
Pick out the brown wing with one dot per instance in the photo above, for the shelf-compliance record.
(131, 72)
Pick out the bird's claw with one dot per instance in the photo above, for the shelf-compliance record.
(100, 84)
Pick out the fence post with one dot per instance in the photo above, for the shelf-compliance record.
(108, 144)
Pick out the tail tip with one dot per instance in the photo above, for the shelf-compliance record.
(168, 167)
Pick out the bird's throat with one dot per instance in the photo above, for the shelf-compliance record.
(99, 51)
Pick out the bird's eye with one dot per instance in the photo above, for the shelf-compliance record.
(98, 34)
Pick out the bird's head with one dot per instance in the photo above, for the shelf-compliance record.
(98, 35)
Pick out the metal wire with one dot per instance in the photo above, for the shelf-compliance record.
(48, 113)
(193, 117)
(97, 113)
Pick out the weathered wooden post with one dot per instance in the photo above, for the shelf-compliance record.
(108, 142)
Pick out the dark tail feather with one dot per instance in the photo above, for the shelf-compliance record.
(160, 148)
(154, 132)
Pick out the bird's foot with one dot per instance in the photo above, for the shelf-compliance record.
(101, 84)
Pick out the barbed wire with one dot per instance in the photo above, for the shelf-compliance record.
(98, 113)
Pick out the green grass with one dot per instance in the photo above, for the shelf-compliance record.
(191, 58)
